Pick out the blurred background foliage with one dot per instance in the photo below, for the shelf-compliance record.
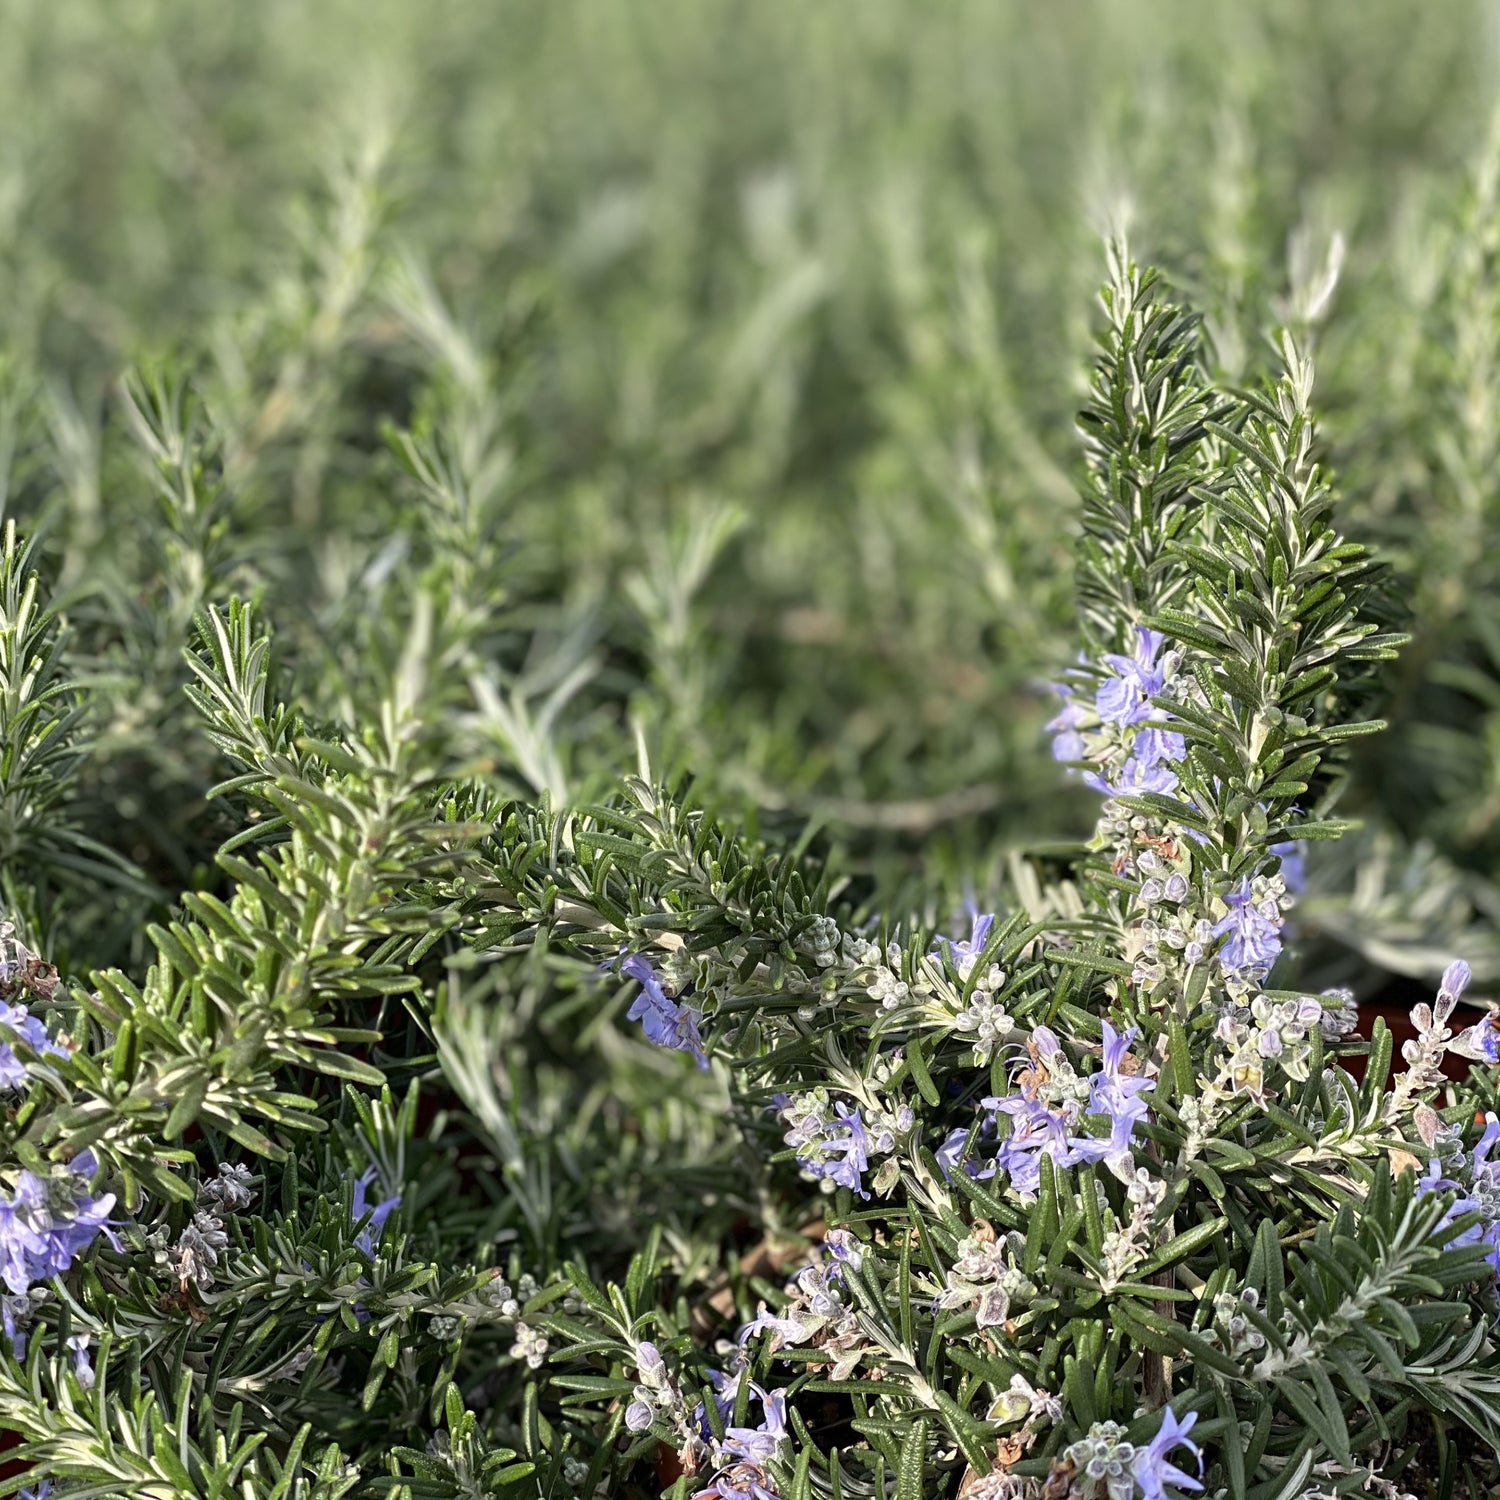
(715, 363)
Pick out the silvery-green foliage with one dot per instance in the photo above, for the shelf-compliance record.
(541, 532)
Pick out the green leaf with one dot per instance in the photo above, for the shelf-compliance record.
(910, 1477)
(920, 1076)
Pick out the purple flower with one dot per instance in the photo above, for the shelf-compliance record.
(742, 1482)
(83, 1368)
(1117, 1095)
(726, 1391)
(1137, 776)
(667, 1022)
(836, 1150)
(1293, 865)
(757, 1445)
(1252, 934)
(48, 1222)
(1123, 697)
(950, 1153)
(359, 1206)
(1046, 1123)
(1151, 1467)
(1153, 746)
(750, 1449)
(1148, 768)
(1455, 980)
(851, 1150)
(1036, 1126)
(963, 951)
(33, 1033)
(41, 1492)
(1433, 1181)
(1035, 1129)
(1482, 1039)
(1067, 743)
(1480, 1195)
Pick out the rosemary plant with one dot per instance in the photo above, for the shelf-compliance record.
(463, 1138)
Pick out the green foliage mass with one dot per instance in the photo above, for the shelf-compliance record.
(484, 484)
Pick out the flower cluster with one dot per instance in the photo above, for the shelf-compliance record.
(1476, 1188)
(823, 941)
(1120, 736)
(737, 1455)
(834, 1143)
(742, 1457)
(880, 974)
(529, 1346)
(656, 1394)
(1125, 1245)
(1264, 1035)
(1118, 1468)
(815, 1312)
(1047, 1108)
(1251, 931)
(48, 1221)
(1233, 1329)
(506, 1300)
(984, 1019)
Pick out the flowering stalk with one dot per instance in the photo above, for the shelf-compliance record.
(1061, 1160)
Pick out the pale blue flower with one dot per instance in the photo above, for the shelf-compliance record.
(1137, 776)
(750, 1449)
(1481, 1194)
(1041, 1127)
(359, 1206)
(1252, 936)
(1151, 1468)
(1117, 1095)
(1155, 747)
(33, 1033)
(951, 1152)
(846, 1152)
(1123, 696)
(1067, 742)
(963, 951)
(1293, 865)
(667, 1022)
(83, 1367)
(48, 1222)
(726, 1390)
(1455, 980)
(758, 1445)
